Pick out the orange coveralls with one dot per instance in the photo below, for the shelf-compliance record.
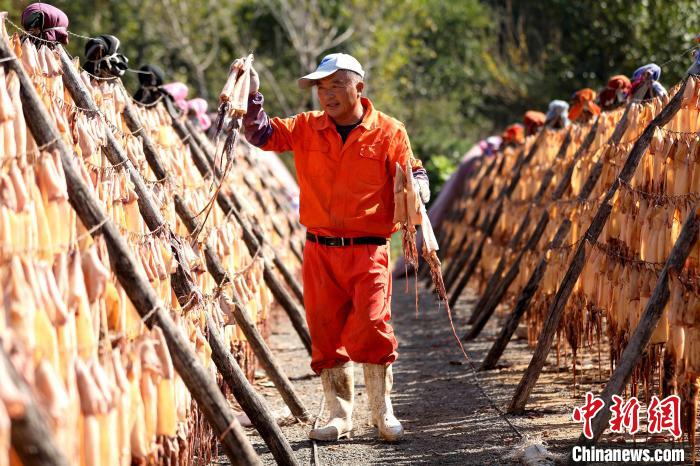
(346, 190)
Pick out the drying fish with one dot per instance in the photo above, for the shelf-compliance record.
(233, 102)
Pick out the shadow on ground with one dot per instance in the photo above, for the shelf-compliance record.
(447, 420)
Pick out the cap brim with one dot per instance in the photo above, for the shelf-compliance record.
(307, 81)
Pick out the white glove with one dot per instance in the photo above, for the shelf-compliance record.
(421, 185)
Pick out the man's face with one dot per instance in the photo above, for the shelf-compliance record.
(339, 94)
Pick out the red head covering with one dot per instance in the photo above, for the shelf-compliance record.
(617, 90)
(514, 134)
(533, 120)
(581, 101)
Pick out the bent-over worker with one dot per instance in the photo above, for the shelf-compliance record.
(345, 157)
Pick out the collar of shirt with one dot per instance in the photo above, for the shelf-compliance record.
(369, 120)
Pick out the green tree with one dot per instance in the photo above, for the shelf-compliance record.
(453, 72)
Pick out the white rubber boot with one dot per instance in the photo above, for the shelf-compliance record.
(338, 390)
(379, 379)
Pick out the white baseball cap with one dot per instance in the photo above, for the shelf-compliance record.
(329, 65)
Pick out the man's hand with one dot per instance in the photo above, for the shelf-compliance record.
(421, 184)
(254, 81)
(254, 78)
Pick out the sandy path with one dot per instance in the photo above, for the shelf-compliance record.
(446, 418)
(447, 421)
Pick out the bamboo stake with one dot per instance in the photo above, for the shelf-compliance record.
(491, 225)
(229, 206)
(464, 250)
(576, 264)
(30, 435)
(533, 282)
(201, 385)
(253, 405)
(499, 284)
(289, 277)
(647, 323)
(221, 276)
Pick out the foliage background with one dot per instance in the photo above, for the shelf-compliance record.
(453, 71)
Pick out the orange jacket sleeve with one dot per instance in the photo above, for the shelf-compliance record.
(400, 152)
(283, 134)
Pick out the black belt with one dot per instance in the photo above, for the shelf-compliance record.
(334, 241)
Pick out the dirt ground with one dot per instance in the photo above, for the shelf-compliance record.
(445, 416)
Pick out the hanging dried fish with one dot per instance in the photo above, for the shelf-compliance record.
(233, 102)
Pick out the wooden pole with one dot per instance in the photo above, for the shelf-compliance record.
(499, 284)
(467, 244)
(293, 310)
(287, 275)
(647, 323)
(502, 196)
(464, 250)
(293, 226)
(495, 277)
(523, 302)
(200, 383)
(566, 287)
(264, 172)
(488, 226)
(455, 212)
(244, 393)
(256, 341)
(528, 292)
(280, 202)
(30, 435)
(218, 272)
(289, 278)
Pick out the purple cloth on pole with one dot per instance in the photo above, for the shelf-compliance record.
(53, 26)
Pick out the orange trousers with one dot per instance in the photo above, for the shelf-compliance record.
(347, 296)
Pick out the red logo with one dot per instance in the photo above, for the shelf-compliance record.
(665, 415)
(662, 415)
(625, 415)
(587, 412)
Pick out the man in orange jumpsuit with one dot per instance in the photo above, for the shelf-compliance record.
(345, 156)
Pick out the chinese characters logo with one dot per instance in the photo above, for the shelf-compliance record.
(662, 415)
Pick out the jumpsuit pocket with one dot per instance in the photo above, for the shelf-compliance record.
(379, 255)
(379, 267)
(371, 166)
